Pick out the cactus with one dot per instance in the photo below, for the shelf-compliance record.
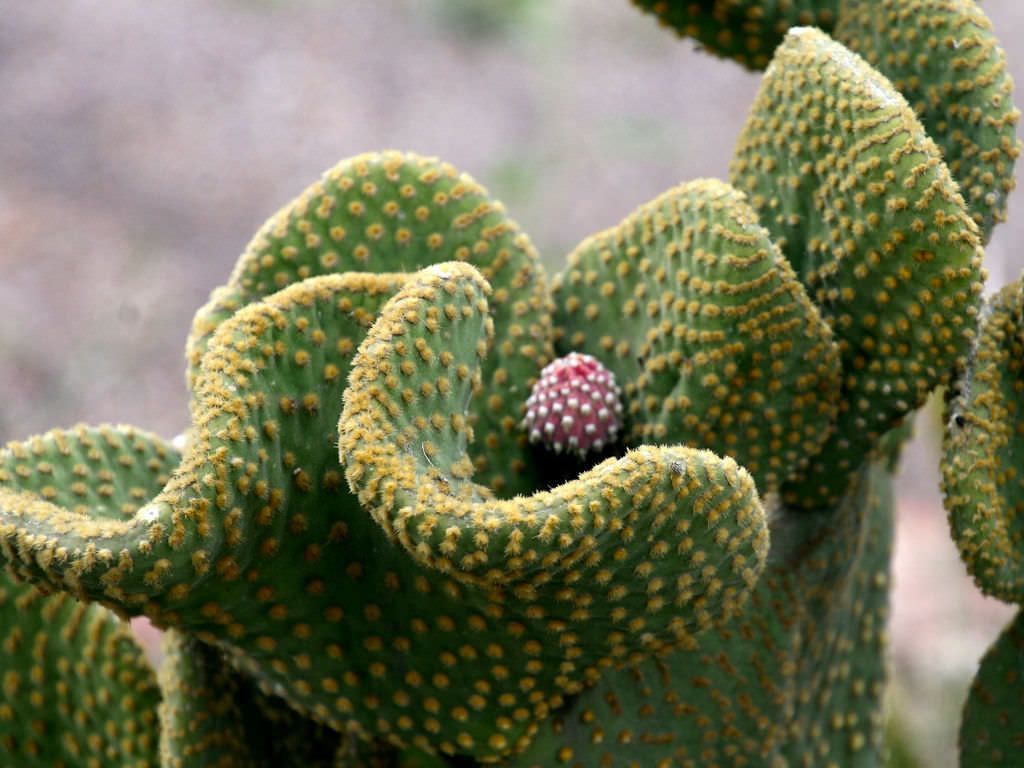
(963, 95)
(359, 557)
(990, 734)
(981, 480)
(745, 30)
(77, 690)
(982, 486)
(211, 715)
(873, 222)
(941, 55)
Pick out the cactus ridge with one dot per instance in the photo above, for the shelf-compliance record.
(796, 679)
(393, 212)
(243, 546)
(963, 97)
(981, 478)
(76, 688)
(859, 200)
(101, 472)
(984, 496)
(56, 534)
(667, 541)
(747, 31)
(707, 329)
(940, 54)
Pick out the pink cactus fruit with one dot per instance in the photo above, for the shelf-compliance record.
(575, 406)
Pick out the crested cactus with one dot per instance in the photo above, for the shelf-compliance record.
(361, 558)
(943, 56)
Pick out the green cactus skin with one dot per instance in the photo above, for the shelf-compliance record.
(348, 554)
(212, 716)
(795, 680)
(744, 30)
(984, 436)
(992, 731)
(845, 178)
(941, 55)
(100, 472)
(944, 58)
(255, 546)
(984, 496)
(397, 212)
(634, 557)
(76, 688)
(708, 330)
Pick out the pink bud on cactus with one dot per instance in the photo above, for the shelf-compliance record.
(575, 405)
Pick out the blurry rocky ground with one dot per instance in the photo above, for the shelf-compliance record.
(141, 144)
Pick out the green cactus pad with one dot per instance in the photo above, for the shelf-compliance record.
(101, 472)
(844, 177)
(744, 30)
(992, 729)
(77, 690)
(707, 329)
(982, 477)
(210, 715)
(635, 556)
(943, 56)
(397, 212)
(256, 547)
(795, 680)
(86, 482)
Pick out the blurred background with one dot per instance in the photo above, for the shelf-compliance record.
(141, 145)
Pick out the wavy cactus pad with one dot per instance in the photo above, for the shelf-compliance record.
(745, 30)
(843, 175)
(397, 212)
(635, 556)
(85, 482)
(992, 730)
(982, 477)
(250, 495)
(210, 715)
(77, 690)
(254, 545)
(707, 329)
(101, 472)
(235, 450)
(943, 56)
(797, 679)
